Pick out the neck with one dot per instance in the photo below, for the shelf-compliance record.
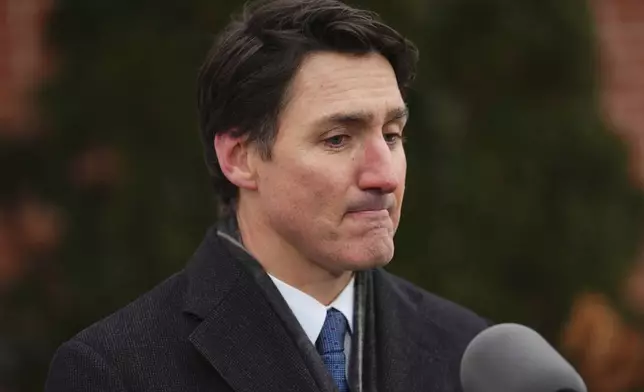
(285, 262)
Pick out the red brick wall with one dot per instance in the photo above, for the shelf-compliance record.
(620, 28)
(23, 62)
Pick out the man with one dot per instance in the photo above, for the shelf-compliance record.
(302, 116)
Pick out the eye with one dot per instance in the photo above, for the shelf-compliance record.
(336, 141)
(393, 138)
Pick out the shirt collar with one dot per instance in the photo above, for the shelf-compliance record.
(309, 312)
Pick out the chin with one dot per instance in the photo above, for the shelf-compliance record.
(343, 263)
(369, 256)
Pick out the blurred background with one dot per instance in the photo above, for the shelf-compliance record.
(525, 185)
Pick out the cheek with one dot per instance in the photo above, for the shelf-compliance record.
(402, 175)
(400, 191)
(308, 186)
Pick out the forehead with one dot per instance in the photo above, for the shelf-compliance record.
(329, 82)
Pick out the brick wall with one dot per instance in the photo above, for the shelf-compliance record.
(620, 28)
(23, 62)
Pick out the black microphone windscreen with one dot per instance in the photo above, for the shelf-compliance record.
(515, 358)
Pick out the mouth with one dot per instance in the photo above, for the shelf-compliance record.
(380, 206)
(369, 213)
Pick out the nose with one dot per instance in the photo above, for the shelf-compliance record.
(379, 170)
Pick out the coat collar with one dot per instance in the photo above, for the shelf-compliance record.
(210, 276)
(413, 351)
(245, 333)
(249, 335)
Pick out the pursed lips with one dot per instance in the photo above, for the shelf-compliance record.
(378, 215)
(375, 207)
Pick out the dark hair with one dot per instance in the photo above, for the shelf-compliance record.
(243, 83)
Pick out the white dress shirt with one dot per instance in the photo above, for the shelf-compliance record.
(311, 314)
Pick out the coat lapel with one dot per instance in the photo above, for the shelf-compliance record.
(412, 353)
(241, 335)
(252, 339)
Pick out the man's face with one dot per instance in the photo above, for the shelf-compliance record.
(334, 187)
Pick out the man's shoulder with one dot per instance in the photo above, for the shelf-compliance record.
(159, 315)
(152, 317)
(430, 308)
(134, 348)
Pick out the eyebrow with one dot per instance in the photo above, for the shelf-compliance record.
(364, 117)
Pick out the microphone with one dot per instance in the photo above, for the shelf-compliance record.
(515, 358)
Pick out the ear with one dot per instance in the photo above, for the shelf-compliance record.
(235, 159)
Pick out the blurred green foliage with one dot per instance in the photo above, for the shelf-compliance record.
(517, 194)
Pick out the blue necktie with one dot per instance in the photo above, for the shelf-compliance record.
(330, 345)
